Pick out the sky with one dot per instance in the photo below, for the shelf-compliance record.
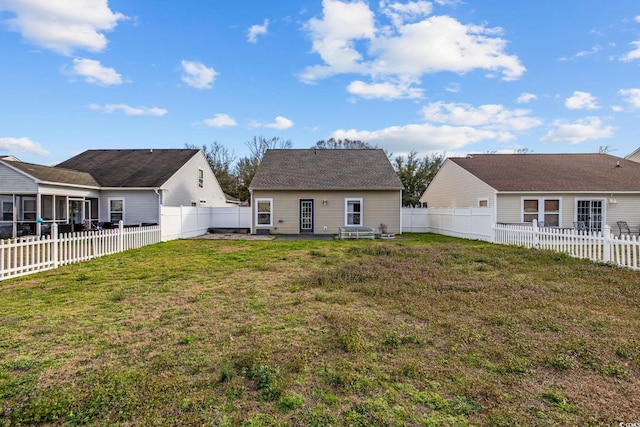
(442, 76)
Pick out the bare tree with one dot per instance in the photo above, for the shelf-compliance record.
(247, 166)
(605, 149)
(522, 151)
(332, 143)
(221, 161)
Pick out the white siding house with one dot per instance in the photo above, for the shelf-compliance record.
(101, 187)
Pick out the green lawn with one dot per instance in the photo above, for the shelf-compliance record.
(419, 331)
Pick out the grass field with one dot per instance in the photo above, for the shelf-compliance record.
(419, 331)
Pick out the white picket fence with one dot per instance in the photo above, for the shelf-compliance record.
(31, 254)
(604, 246)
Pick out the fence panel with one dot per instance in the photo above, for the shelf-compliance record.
(623, 251)
(467, 223)
(26, 255)
(183, 222)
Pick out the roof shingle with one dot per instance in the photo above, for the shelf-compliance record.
(54, 174)
(325, 169)
(140, 168)
(553, 172)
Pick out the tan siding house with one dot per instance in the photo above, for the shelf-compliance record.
(316, 191)
(557, 190)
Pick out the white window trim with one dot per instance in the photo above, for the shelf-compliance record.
(483, 199)
(200, 178)
(270, 212)
(591, 199)
(123, 206)
(541, 211)
(346, 211)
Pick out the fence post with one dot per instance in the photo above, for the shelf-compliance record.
(606, 247)
(120, 236)
(54, 244)
(536, 238)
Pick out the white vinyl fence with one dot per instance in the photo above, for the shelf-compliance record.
(31, 254)
(596, 246)
(183, 222)
(468, 223)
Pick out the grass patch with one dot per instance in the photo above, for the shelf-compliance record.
(425, 330)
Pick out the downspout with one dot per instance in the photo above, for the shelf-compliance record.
(251, 231)
(157, 191)
(495, 215)
(401, 212)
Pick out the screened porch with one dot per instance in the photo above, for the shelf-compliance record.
(33, 214)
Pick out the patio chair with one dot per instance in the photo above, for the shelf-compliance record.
(579, 226)
(623, 227)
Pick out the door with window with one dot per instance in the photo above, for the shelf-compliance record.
(306, 215)
(591, 212)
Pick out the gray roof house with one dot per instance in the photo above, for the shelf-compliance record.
(103, 186)
(318, 190)
(555, 189)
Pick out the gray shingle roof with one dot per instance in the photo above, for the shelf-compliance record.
(130, 168)
(54, 174)
(328, 169)
(553, 172)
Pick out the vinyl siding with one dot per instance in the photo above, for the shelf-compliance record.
(139, 206)
(13, 182)
(626, 208)
(377, 207)
(454, 187)
(182, 188)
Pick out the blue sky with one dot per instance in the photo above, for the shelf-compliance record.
(431, 76)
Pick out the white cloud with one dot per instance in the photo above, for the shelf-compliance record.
(631, 96)
(448, 127)
(197, 75)
(525, 98)
(421, 137)
(348, 41)
(280, 123)
(488, 116)
(399, 13)
(334, 37)
(22, 145)
(257, 30)
(220, 121)
(93, 72)
(383, 90)
(130, 111)
(634, 53)
(581, 101)
(453, 87)
(587, 129)
(62, 25)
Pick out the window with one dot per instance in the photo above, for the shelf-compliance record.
(353, 212)
(116, 210)
(7, 211)
(547, 210)
(29, 209)
(61, 208)
(483, 203)
(264, 212)
(200, 178)
(46, 207)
